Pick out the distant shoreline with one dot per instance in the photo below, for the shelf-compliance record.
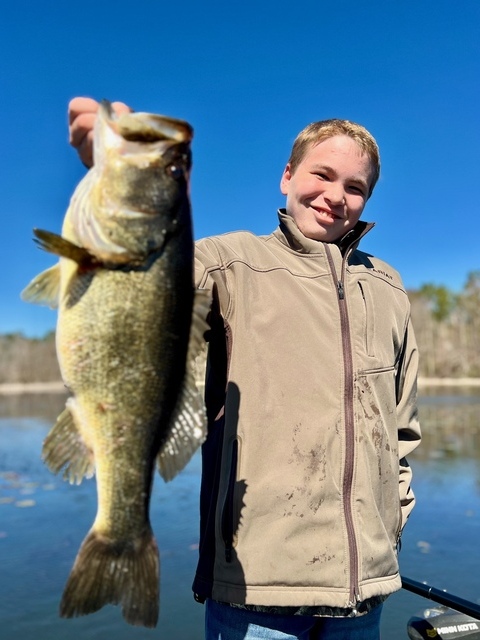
(17, 388)
(449, 382)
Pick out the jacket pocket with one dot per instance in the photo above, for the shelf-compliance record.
(378, 466)
(369, 317)
(228, 512)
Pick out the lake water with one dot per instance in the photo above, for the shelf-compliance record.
(43, 521)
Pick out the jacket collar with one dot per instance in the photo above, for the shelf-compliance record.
(290, 235)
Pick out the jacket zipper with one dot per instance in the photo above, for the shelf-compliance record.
(349, 428)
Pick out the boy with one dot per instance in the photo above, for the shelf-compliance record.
(311, 401)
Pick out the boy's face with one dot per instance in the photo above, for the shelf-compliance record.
(328, 190)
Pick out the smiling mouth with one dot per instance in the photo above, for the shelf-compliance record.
(328, 216)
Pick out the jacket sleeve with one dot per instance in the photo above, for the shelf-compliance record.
(409, 434)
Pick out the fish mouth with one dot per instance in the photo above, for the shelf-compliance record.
(146, 127)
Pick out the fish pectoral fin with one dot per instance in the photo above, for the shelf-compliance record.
(188, 428)
(44, 288)
(115, 572)
(53, 243)
(64, 448)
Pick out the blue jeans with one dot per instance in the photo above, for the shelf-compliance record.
(223, 622)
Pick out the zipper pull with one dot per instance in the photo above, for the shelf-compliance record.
(341, 290)
(399, 542)
(353, 604)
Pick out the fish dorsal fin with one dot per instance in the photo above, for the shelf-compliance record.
(44, 288)
(189, 421)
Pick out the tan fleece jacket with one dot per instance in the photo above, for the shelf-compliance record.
(311, 396)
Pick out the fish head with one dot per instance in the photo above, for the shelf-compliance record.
(137, 194)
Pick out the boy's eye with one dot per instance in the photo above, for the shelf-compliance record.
(358, 190)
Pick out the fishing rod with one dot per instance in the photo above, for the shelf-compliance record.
(441, 597)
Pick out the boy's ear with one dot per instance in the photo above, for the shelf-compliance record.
(284, 182)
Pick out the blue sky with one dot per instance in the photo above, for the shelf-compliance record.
(248, 76)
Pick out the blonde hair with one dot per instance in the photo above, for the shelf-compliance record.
(318, 131)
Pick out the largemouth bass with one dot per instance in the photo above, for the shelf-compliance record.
(130, 325)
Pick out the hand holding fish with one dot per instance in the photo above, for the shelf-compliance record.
(82, 113)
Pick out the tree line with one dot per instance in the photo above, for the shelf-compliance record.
(447, 328)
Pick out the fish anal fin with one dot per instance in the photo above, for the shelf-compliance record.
(64, 448)
(115, 572)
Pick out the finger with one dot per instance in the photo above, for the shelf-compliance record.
(85, 149)
(79, 106)
(82, 113)
(80, 127)
(120, 108)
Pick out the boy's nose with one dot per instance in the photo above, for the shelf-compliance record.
(335, 194)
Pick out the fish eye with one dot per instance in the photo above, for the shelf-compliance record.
(179, 163)
(175, 171)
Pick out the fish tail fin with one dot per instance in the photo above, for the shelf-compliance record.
(106, 572)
